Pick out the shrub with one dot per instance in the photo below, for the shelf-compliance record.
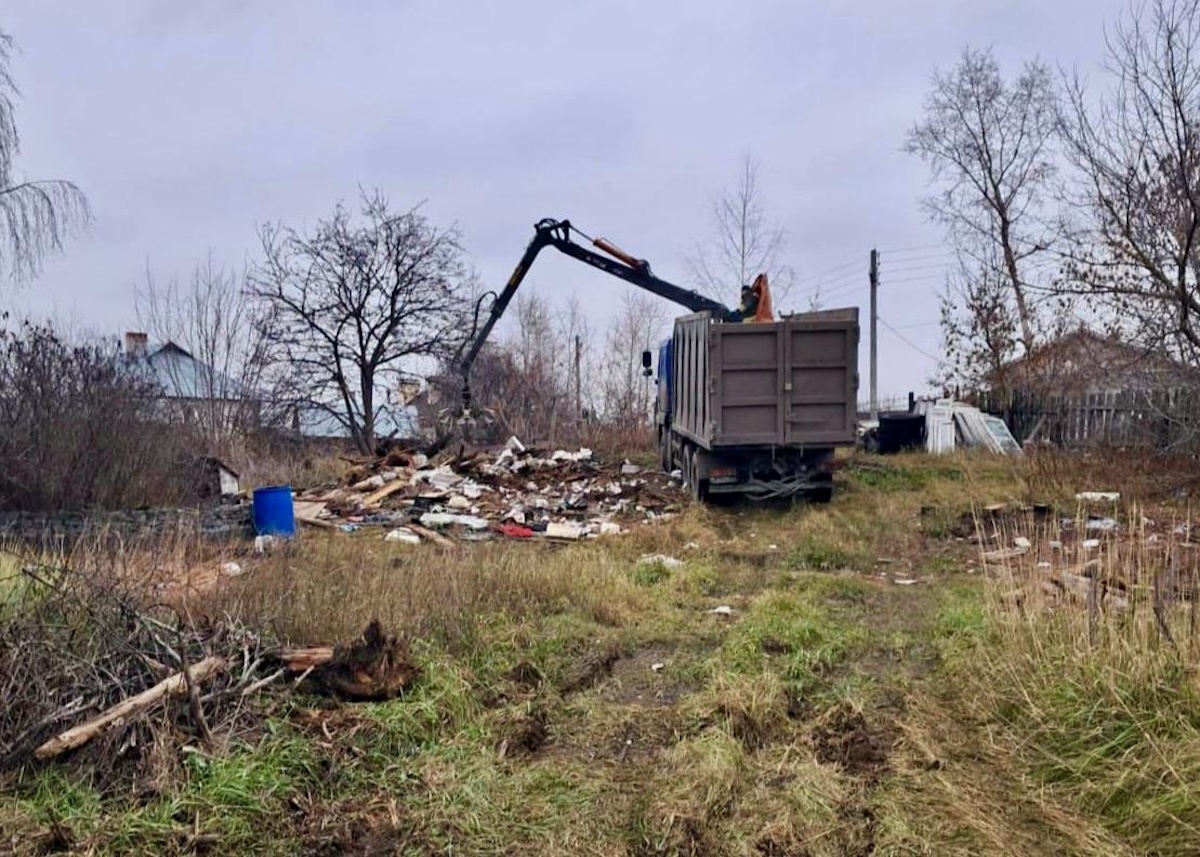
(77, 429)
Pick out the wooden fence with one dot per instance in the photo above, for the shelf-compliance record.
(1118, 418)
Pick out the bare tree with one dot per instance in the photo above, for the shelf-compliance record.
(575, 336)
(627, 395)
(988, 143)
(744, 243)
(1137, 150)
(356, 306)
(979, 327)
(35, 215)
(214, 318)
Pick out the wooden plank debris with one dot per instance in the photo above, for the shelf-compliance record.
(375, 498)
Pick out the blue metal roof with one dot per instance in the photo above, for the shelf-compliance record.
(181, 376)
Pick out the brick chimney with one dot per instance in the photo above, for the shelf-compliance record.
(136, 344)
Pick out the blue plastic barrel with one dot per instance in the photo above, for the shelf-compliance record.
(274, 514)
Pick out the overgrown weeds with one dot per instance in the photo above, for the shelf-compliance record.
(452, 596)
(1090, 664)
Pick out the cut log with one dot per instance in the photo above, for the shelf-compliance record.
(301, 660)
(175, 685)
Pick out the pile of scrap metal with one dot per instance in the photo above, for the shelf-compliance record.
(938, 426)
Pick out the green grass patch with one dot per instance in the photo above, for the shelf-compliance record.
(789, 633)
(816, 552)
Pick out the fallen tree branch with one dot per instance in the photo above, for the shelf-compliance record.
(172, 686)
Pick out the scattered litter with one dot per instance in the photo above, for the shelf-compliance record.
(657, 667)
(445, 519)
(691, 546)
(660, 559)
(516, 531)
(564, 531)
(403, 534)
(262, 544)
(1044, 564)
(1022, 543)
(231, 569)
(472, 493)
(1101, 525)
(905, 581)
(1090, 544)
(723, 610)
(1056, 545)
(584, 454)
(1098, 496)
(772, 547)
(1004, 554)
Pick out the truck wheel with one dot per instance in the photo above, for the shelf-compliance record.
(824, 494)
(698, 486)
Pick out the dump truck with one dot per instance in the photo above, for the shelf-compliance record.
(744, 406)
(758, 409)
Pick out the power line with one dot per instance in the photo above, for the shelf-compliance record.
(897, 251)
(832, 270)
(914, 269)
(909, 342)
(922, 278)
(829, 281)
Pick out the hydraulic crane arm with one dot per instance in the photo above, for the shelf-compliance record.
(557, 234)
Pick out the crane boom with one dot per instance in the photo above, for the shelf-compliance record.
(557, 234)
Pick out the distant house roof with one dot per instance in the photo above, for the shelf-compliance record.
(1086, 361)
(182, 376)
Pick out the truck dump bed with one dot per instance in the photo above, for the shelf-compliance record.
(793, 382)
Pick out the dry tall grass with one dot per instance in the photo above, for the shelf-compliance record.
(331, 589)
(1089, 664)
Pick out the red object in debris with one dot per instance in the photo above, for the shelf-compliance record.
(516, 531)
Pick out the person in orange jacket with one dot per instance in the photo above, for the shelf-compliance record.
(756, 302)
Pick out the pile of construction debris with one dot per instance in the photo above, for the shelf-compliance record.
(515, 492)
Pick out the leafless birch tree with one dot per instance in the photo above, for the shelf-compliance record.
(35, 214)
(1136, 149)
(744, 243)
(988, 143)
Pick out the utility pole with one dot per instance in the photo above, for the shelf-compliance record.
(874, 275)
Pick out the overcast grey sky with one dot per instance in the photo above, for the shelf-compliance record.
(187, 124)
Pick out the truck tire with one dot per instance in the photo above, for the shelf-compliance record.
(698, 486)
(822, 495)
